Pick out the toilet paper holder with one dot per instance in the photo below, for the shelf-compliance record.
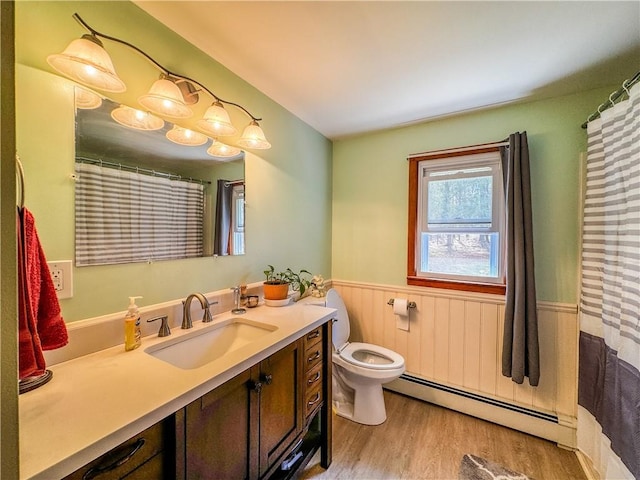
(409, 304)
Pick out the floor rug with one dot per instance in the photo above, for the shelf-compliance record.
(478, 468)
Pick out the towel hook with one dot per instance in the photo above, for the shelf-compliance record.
(20, 172)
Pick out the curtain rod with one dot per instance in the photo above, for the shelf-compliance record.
(504, 143)
(234, 182)
(144, 171)
(611, 101)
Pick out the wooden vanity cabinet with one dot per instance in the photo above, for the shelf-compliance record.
(275, 411)
(245, 428)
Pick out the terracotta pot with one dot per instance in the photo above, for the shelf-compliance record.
(275, 291)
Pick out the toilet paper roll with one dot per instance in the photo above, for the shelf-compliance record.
(401, 310)
(400, 306)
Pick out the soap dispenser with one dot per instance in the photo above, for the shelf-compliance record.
(132, 326)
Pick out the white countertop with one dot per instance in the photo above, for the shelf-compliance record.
(95, 402)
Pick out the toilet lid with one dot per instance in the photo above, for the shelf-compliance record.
(341, 329)
(372, 356)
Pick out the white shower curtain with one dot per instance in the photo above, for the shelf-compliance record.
(124, 217)
(609, 378)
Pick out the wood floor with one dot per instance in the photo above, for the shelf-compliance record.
(423, 441)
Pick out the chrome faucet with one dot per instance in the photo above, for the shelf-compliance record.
(237, 296)
(186, 310)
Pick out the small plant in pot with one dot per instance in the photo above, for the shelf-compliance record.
(276, 285)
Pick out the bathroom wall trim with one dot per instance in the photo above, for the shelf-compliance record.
(454, 344)
(558, 429)
(454, 294)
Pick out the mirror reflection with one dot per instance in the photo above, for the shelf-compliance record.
(152, 192)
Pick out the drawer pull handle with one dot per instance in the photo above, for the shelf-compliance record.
(314, 357)
(314, 401)
(267, 378)
(99, 470)
(314, 334)
(314, 379)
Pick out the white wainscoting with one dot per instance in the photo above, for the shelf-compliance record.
(455, 340)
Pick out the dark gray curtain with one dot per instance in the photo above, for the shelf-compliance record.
(520, 354)
(223, 218)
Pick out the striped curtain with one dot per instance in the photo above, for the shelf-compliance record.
(609, 378)
(127, 217)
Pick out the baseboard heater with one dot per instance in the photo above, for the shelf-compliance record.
(480, 398)
(553, 426)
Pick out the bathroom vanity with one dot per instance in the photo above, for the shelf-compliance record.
(261, 406)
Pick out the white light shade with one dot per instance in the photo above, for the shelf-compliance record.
(184, 136)
(132, 118)
(85, 61)
(86, 99)
(165, 98)
(216, 121)
(219, 149)
(253, 137)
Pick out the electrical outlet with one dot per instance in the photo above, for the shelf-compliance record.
(62, 276)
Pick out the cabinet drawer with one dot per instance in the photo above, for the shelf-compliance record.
(313, 337)
(312, 356)
(124, 458)
(151, 469)
(313, 377)
(313, 399)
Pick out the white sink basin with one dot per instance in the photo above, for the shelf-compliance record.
(200, 347)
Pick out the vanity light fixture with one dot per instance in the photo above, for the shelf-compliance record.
(87, 62)
(253, 137)
(86, 99)
(165, 98)
(219, 149)
(133, 118)
(184, 136)
(216, 121)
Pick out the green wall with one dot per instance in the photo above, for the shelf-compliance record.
(288, 188)
(370, 188)
(291, 209)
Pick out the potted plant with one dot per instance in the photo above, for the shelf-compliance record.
(276, 285)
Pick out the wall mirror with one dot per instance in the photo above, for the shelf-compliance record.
(215, 226)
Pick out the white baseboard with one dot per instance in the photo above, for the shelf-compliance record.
(539, 424)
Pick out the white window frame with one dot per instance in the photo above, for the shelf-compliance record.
(479, 160)
(237, 220)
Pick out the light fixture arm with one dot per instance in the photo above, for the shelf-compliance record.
(160, 67)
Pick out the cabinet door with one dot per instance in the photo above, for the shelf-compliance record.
(281, 400)
(219, 433)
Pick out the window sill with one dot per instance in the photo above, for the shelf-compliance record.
(449, 285)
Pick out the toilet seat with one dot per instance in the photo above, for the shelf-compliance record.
(369, 356)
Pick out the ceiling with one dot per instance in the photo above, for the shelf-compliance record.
(351, 67)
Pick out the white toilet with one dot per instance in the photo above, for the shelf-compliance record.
(359, 370)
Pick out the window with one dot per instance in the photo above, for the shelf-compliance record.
(237, 220)
(456, 220)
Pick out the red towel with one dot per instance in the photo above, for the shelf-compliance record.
(41, 326)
